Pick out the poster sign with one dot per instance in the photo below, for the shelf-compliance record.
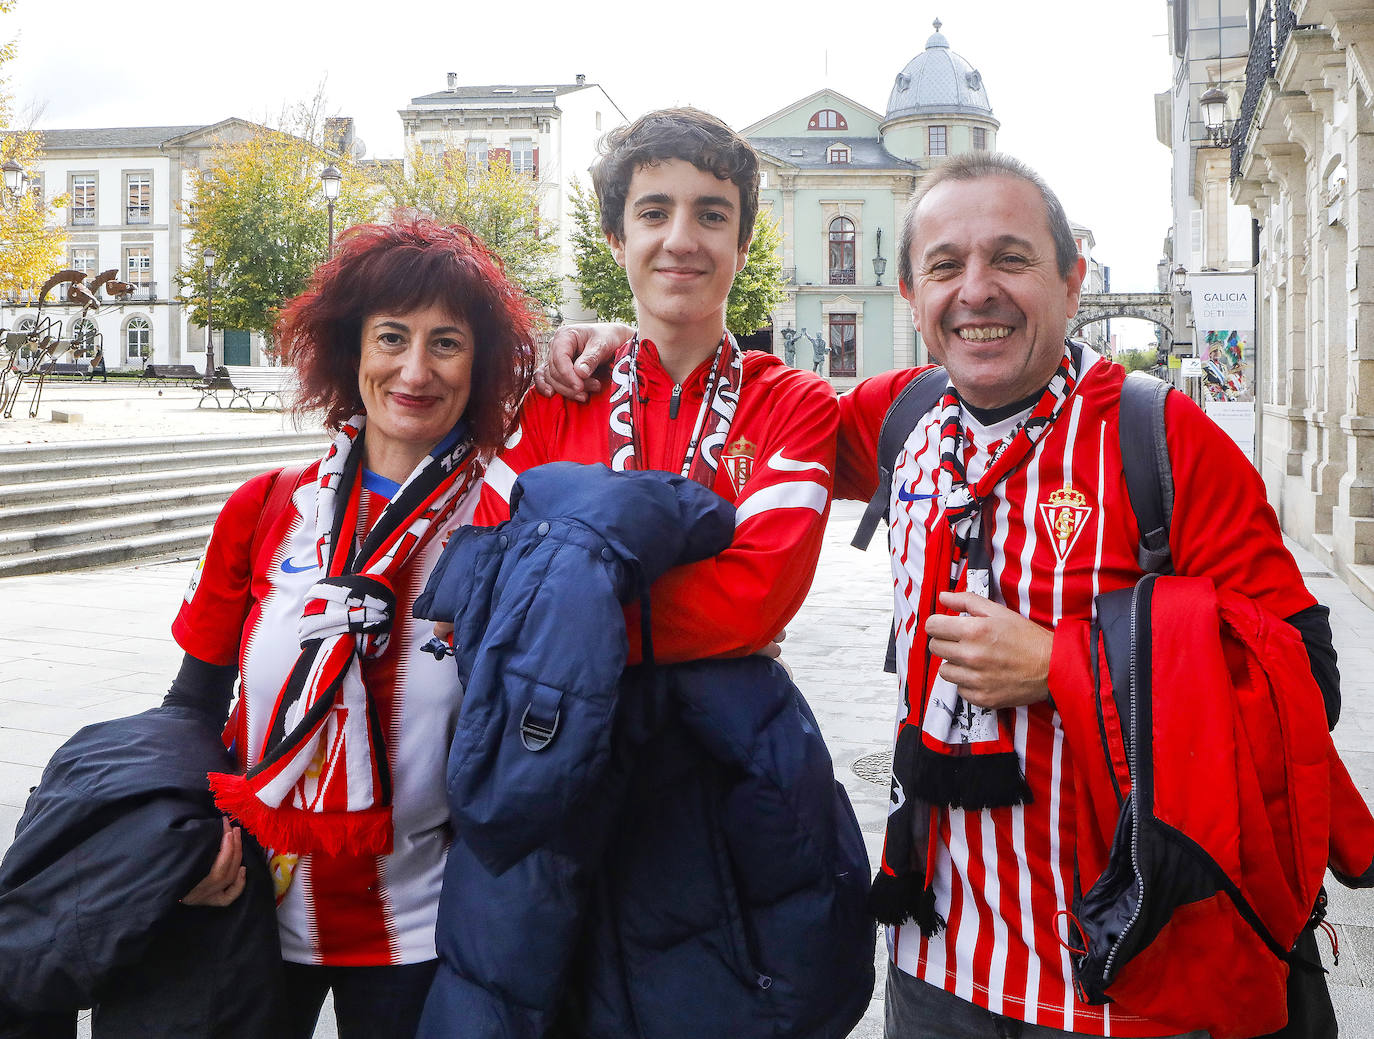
(1224, 319)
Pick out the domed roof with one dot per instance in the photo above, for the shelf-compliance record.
(938, 80)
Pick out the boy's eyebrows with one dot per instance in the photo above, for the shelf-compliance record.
(659, 198)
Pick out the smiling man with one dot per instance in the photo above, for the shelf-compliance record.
(1010, 515)
(678, 191)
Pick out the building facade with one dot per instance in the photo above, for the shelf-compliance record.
(125, 187)
(1302, 163)
(837, 177)
(547, 130)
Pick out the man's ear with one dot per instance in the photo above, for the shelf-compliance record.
(617, 247)
(910, 297)
(1074, 282)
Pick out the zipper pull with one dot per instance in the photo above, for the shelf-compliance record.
(675, 400)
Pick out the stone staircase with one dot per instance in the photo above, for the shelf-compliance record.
(94, 503)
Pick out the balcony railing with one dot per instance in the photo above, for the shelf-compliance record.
(842, 276)
(1275, 21)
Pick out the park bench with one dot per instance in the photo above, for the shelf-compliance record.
(79, 369)
(244, 381)
(176, 374)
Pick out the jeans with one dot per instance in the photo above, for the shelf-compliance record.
(369, 1002)
(917, 1010)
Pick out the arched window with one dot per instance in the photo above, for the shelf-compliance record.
(827, 119)
(138, 339)
(26, 324)
(83, 331)
(841, 251)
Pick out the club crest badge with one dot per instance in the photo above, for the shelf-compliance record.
(1065, 514)
(739, 462)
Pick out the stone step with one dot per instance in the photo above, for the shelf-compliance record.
(83, 467)
(119, 527)
(48, 514)
(18, 454)
(60, 490)
(185, 543)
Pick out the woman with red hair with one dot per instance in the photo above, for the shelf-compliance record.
(416, 349)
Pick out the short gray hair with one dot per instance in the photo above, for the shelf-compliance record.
(974, 166)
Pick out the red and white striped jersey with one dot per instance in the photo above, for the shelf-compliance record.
(1061, 530)
(343, 910)
(776, 468)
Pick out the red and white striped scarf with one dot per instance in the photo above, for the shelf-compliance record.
(702, 457)
(323, 781)
(949, 751)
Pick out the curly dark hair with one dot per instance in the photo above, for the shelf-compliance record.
(399, 268)
(674, 133)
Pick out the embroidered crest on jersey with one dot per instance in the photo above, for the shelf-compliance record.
(739, 462)
(1065, 514)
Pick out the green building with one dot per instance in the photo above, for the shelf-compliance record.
(837, 176)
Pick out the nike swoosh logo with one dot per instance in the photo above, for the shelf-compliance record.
(904, 495)
(288, 567)
(790, 465)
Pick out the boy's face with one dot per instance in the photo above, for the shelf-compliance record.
(681, 249)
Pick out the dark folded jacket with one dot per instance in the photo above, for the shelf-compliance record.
(120, 827)
(676, 859)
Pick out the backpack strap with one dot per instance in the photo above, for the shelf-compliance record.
(1145, 462)
(918, 397)
(284, 485)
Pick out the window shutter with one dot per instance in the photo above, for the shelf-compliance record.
(536, 162)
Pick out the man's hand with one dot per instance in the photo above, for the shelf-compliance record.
(575, 353)
(995, 656)
(227, 875)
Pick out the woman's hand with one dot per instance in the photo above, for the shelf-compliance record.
(227, 876)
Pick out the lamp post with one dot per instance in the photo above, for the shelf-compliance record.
(879, 261)
(14, 178)
(209, 260)
(1213, 105)
(331, 179)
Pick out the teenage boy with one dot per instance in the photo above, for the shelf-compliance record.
(678, 191)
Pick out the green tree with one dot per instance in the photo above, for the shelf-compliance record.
(601, 282)
(259, 205)
(496, 202)
(30, 240)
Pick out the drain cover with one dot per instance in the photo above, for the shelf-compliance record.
(876, 768)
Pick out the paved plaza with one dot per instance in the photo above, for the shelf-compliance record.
(91, 645)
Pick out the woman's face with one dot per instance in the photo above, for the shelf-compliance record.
(415, 378)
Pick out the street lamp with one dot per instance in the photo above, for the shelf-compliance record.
(880, 261)
(1213, 105)
(209, 260)
(1180, 277)
(331, 179)
(14, 178)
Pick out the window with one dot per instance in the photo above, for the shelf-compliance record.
(36, 189)
(980, 139)
(523, 157)
(83, 332)
(827, 119)
(138, 194)
(935, 138)
(844, 338)
(839, 153)
(476, 154)
(83, 258)
(138, 266)
(841, 259)
(83, 198)
(138, 339)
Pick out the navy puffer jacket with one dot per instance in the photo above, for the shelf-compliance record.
(676, 859)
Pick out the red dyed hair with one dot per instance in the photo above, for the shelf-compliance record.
(399, 268)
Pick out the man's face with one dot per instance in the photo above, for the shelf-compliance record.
(987, 296)
(681, 249)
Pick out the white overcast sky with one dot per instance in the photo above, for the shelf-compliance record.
(1071, 82)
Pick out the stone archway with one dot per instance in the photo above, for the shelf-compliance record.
(1155, 307)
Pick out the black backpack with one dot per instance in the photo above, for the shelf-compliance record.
(1145, 460)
